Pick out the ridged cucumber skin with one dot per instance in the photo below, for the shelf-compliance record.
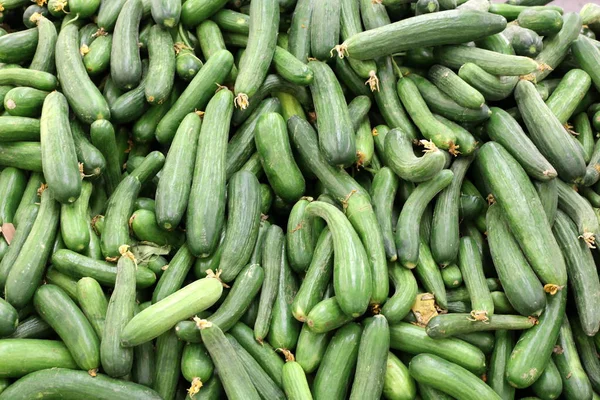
(544, 22)
(469, 262)
(161, 69)
(578, 209)
(456, 88)
(407, 228)
(196, 363)
(272, 264)
(117, 361)
(13, 183)
(533, 350)
(18, 46)
(444, 239)
(455, 380)
(168, 365)
(524, 41)
(587, 352)
(569, 93)
(400, 158)
(383, 193)
(24, 356)
(243, 206)
(583, 276)
(576, 384)
(400, 303)
(93, 303)
(457, 324)
(351, 270)
(299, 33)
(324, 28)
(236, 380)
(84, 97)
(9, 319)
(518, 144)
(166, 13)
(28, 268)
(164, 315)
(588, 56)
(549, 385)
(334, 373)
(299, 236)
(548, 193)
(103, 138)
(337, 137)
(521, 285)
(524, 212)
(25, 224)
(492, 62)
(451, 27)
(428, 273)
(503, 346)
(582, 125)
(24, 102)
(125, 61)
(77, 384)
(262, 40)
(74, 220)
(92, 159)
(61, 173)
(413, 339)
(196, 11)
(97, 59)
(372, 359)
(173, 191)
(311, 348)
(63, 315)
(197, 94)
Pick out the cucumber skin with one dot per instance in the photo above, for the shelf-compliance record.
(400, 303)
(383, 193)
(311, 348)
(469, 261)
(9, 319)
(12, 186)
(93, 303)
(74, 221)
(24, 356)
(294, 381)
(166, 13)
(195, 11)
(299, 236)
(168, 364)
(324, 28)
(588, 56)
(125, 61)
(161, 70)
(549, 385)
(503, 346)
(299, 34)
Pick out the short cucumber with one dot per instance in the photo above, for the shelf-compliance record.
(457, 89)
(579, 210)
(311, 348)
(549, 384)
(325, 28)
(97, 59)
(452, 277)
(544, 22)
(9, 319)
(294, 379)
(166, 13)
(19, 46)
(161, 70)
(93, 303)
(567, 95)
(524, 41)
(145, 227)
(24, 356)
(196, 365)
(74, 220)
(581, 125)
(398, 384)
(172, 279)
(299, 238)
(24, 102)
(102, 135)
(125, 61)
(92, 159)
(383, 193)
(326, 316)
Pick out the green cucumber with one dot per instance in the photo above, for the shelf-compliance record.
(337, 138)
(426, 7)
(259, 246)
(326, 316)
(548, 193)
(161, 70)
(533, 350)
(448, 325)
(196, 366)
(18, 46)
(300, 34)
(457, 89)
(125, 61)
(163, 315)
(63, 315)
(466, 143)
(9, 319)
(299, 238)
(311, 348)
(211, 41)
(168, 364)
(452, 277)
(194, 12)
(524, 41)
(24, 356)
(19, 128)
(520, 284)
(469, 262)
(334, 373)
(232, 21)
(324, 28)
(383, 193)
(166, 13)
(117, 361)
(592, 173)
(196, 95)
(587, 353)
(524, 212)
(365, 144)
(581, 125)
(32, 328)
(579, 210)
(30, 196)
(276, 157)
(202, 265)
(28, 268)
(12, 186)
(92, 159)
(93, 303)
(549, 385)
(144, 361)
(290, 68)
(24, 102)
(583, 276)
(84, 97)
(43, 59)
(449, 378)
(97, 59)
(372, 359)
(571, 90)
(187, 64)
(294, 379)
(588, 56)
(66, 283)
(131, 104)
(544, 22)
(173, 277)
(503, 346)
(492, 62)
(145, 127)
(102, 135)
(61, 173)
(144, 226)
(74, 221)
(398, 384)
(242, 223)
(430, 276)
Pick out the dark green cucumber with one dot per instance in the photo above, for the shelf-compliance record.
(131, 104)
(85, 99)
(520, 284)
(549, 385)
(65, 282)
(12, 186)
(337, 138)
(533, 351)
(469, 261)
(326, 316)
(383, 193)
(365, 144)
(43, 59)
(448, 325)
(194, 12)
(202, 265)
(571, 90)
(524, 41)
(78, 266)
(242, 223)
(548, 193)
(579, 210)
(24, 102)
(92, 160)
(30, 196)
(28, 267)
(63, 315)
(272, 263)
(161, 70)
(334, 374)
(407, 228)
(97, 59)
(144, 360)
(492, 62)
(32, 328)
(588, 56)
(259, 246)
(428, 273)
(545, 22)
(145, 227)
(166, 13)
(299, 34)
(61, 173)
(196, 95)
(496, 376)
(311, 348)
(587, 353)
(173, 277)
(592, 172)
(449, 378)
(583, 276)
(324, 28)
(299, 239)
(102, 135)
(125, 61)
(117, 361)
(524, 213)
(492, 87)
(413, 339)
(187, 64)
(9, 319)
(93, 303)
(444, 230)
(276, 157)
(24, 356)
(144, 128)
(426, 7)
(19, 128)
(457, 89)
(581, 125)
(168, 365)
(196, 366)
(18, 46)
(74, 220)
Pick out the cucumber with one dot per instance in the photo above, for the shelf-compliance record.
(131, 104)
(451, 27)
(28, 267)
(492, 87)
(588, 56)
(19, 46)
(168, 364)
(525, 42)
(161, 70)
(383, 192)
(426, 7)
(334, 373)
(92, 159)
(12, 186)
(195, 11)
(581, 125)
(452, 277)
(62, 174)
(326, 316)
(24, 356)
(524, 213)
(581, 270)
(26, 221)
(83, 8)
(30, 196)
(166, 13)
(337, 138)
(75, 384)
(311, 348)
(172, 194)
(276, 157)
(144, 226)
(103, 138)
(235, 379)
(400, 157)
(232, 21)
(32, 328)
(469, 262)
(196, 366)
(520, 284)
(74, 221)
(144, 361)
(9, 319)
(299, 239)
(398, 384)
(97, 59)
(457, 89)
(196, 95)
(173, 277)
(587, 353)
(163, 315)
(400, 303)
(464, 139)
(324, 28)
(503, 346)
(548, 193)
(125, 61)
(579, 210)
(544, 22)
(492, 62)
(24, 102)
(93, 303)
(211, 41)
(63, 315)
(259, 51)
(19, 128)
(576, 383)
(448, 325)
(568, 94)
(66, 283)
(116, 360)
(413, 339)
(449, 378)
(533, 350)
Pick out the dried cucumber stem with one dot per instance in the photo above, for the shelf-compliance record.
(124, 250)
(373, 82)
(41, 189)
(84, 49)
(429, 146)
(216, 275)
(341, 50)
(241, 101)
(202, 323)
(10, 104)
(35, 17)
(552, 289)
(195, 387)
(589, 238)
(490, 199)
(479, 316)
(453, 149)
(94, 221)
(93, 372)
(289, 356)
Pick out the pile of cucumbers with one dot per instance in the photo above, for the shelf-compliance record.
(299, 199)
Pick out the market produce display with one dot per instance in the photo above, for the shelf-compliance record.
(299, 199)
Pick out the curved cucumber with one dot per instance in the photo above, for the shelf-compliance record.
(161, 70)
(326, 316)
(492, 62)
(400, 303)
(299, 34)
(93, 303)
(549, 385)
(97, 59)
(74, 221)
(493, 88)
(24, 102)
(125, 61)
(383, 193)
(92, 159)
(299, 238)
(579, 210)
